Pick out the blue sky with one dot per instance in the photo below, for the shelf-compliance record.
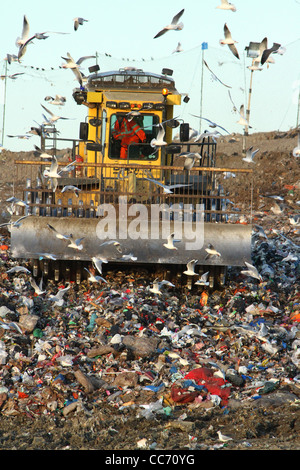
(121, 33)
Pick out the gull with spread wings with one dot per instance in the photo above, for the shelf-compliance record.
(229, 41)
(174, 25)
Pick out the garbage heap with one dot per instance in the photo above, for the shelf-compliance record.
(121, 344)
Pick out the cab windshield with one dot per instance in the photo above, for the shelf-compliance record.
(133, 147)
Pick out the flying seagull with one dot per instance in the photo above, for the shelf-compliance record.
(20, 41)
(16, 224)
(203, 280)
(178, 48)
(98, 263)
(190, 159)
(71, 63)
(78, 21)
(58, 235)
(174, 25)
(76, 244)
(18, 269)
(158, 284)
(167, 189)
(53, 118)
(170, 242)
(211, 251)
(39, 153)
(266, 53)
(229, 41)
(93, 278)
(158, 141)
(251, 271)
(53, 172)
(58, 298)
(74, 66)
(191, 268)
(211, 123)
(225, 5)
(243, 121)
(38, 288)
(70, 187)
(250, 154)
(58, 100)
(214, 76)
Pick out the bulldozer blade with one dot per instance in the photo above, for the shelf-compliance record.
(34, 239)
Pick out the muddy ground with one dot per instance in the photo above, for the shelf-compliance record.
(272, 423)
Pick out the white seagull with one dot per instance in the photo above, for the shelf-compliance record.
(16, 224)
(74, 66)
(93, 278)
(178, 48)
(98, 263)
(53, 172)
(58, 100)
(38, 289)
(20, 41)
(159, 140)
(214, 76)
(229, 41)
(47, 256)
(70, 187)
(58, 298)
(78, 21)
(39, 153)
(211, 123)
(250, 154)
(203, 280)
(190, 159)
(18, 269)
(296, 150)
(76, 244)
(167, 189)
(155, 289)
(191, 268)
(175, 26)
(243, 121)
(53, 118)
(58, 235)
(213, 134)
(223, 438)
(266, 53)
(211, 251)
(225, 5)
(251, 271)
(170, 242)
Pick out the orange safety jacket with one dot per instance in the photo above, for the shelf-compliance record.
(118, 129)
(131, 132)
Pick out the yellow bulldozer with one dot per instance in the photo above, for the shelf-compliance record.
(163, 204)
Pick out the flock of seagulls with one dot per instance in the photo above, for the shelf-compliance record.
(264, 56)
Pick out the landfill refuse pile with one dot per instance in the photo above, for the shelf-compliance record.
(109, 354)
(117, 365)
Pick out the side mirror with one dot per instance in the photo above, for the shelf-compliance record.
(83, 131)
(173, 123)
(94, 147)
(184, 132)
(95, 122)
